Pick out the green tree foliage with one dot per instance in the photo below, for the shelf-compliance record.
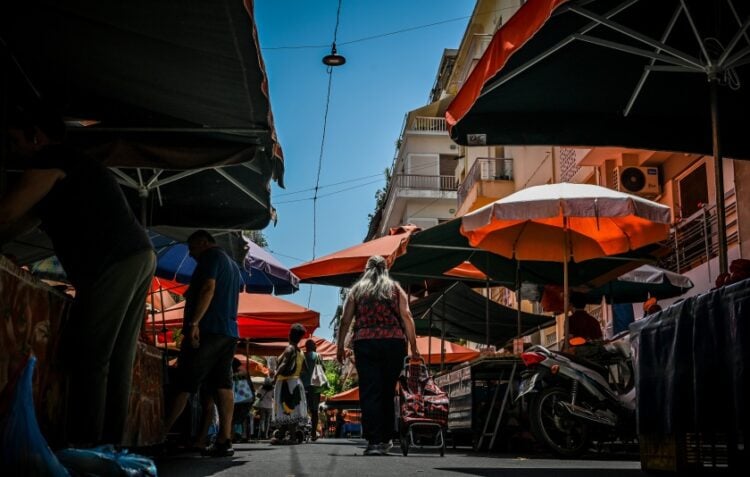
(380, 197)
(335, 381)
(257, 237)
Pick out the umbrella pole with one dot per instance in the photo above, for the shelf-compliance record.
(518, 298)
(721, 221)
(442, 340)
(487, 313)
(566, 295)
(487, 305)
(429, 338)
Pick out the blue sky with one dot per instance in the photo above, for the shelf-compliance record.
(382, 80)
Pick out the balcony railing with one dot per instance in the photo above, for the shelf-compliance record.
(425, 182)
(694, 241)
(485, 169)
(428, 124)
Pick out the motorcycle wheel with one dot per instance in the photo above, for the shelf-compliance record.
(564, 435)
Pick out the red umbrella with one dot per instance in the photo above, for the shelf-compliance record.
(260, 317)
(343, 267)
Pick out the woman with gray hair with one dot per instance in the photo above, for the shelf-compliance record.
(382, 325)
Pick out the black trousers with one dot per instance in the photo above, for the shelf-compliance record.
(379, 363)
(313, 402)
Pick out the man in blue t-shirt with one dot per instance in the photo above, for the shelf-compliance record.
(209, 335)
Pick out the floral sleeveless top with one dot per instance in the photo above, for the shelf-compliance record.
(377, 318)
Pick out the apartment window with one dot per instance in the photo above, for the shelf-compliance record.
(693, 190)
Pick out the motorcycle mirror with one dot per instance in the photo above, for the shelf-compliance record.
(577, 341)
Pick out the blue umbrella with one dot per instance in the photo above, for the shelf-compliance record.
(261, 272)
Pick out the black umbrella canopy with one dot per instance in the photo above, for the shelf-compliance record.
(465, 314)
(612, 73)
(641, 284)
(161, 90)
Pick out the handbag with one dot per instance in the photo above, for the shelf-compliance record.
(318, 378)
(242, 391)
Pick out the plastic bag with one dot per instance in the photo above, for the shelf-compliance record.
(23, 449)
(105, 461)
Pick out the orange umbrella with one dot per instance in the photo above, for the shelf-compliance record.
(429, 348)
(350, 395)
(539, 223)
(560, 222)
(343, 267)
(466, 270)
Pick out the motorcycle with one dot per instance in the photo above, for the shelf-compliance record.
(582, 396)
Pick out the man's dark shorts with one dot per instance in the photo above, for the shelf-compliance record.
(209, 365)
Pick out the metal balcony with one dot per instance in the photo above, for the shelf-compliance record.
(429, 124)
(485, 169)
(425, 182)
(695, 241)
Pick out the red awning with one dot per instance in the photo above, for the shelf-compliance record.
(259, 317)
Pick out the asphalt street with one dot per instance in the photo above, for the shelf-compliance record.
(344, 457)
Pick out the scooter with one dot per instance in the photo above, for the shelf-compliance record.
(581, 396)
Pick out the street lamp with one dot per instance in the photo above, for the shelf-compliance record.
(334, 59)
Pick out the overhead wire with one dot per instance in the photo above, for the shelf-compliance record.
(386, 34)
(303, 199)
(329, 70)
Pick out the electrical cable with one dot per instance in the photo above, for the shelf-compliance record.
(382, 35)
(322, 146)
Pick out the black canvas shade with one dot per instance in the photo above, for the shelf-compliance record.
(172, 94)
(572, 82)
(465, 314)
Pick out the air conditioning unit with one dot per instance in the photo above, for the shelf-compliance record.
(642, 181)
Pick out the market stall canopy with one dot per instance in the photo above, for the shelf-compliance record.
(430, 349)
(325, 348)
(603, 73)
(342, 268)
(260, 317)
(173, 96)
(464, 314)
